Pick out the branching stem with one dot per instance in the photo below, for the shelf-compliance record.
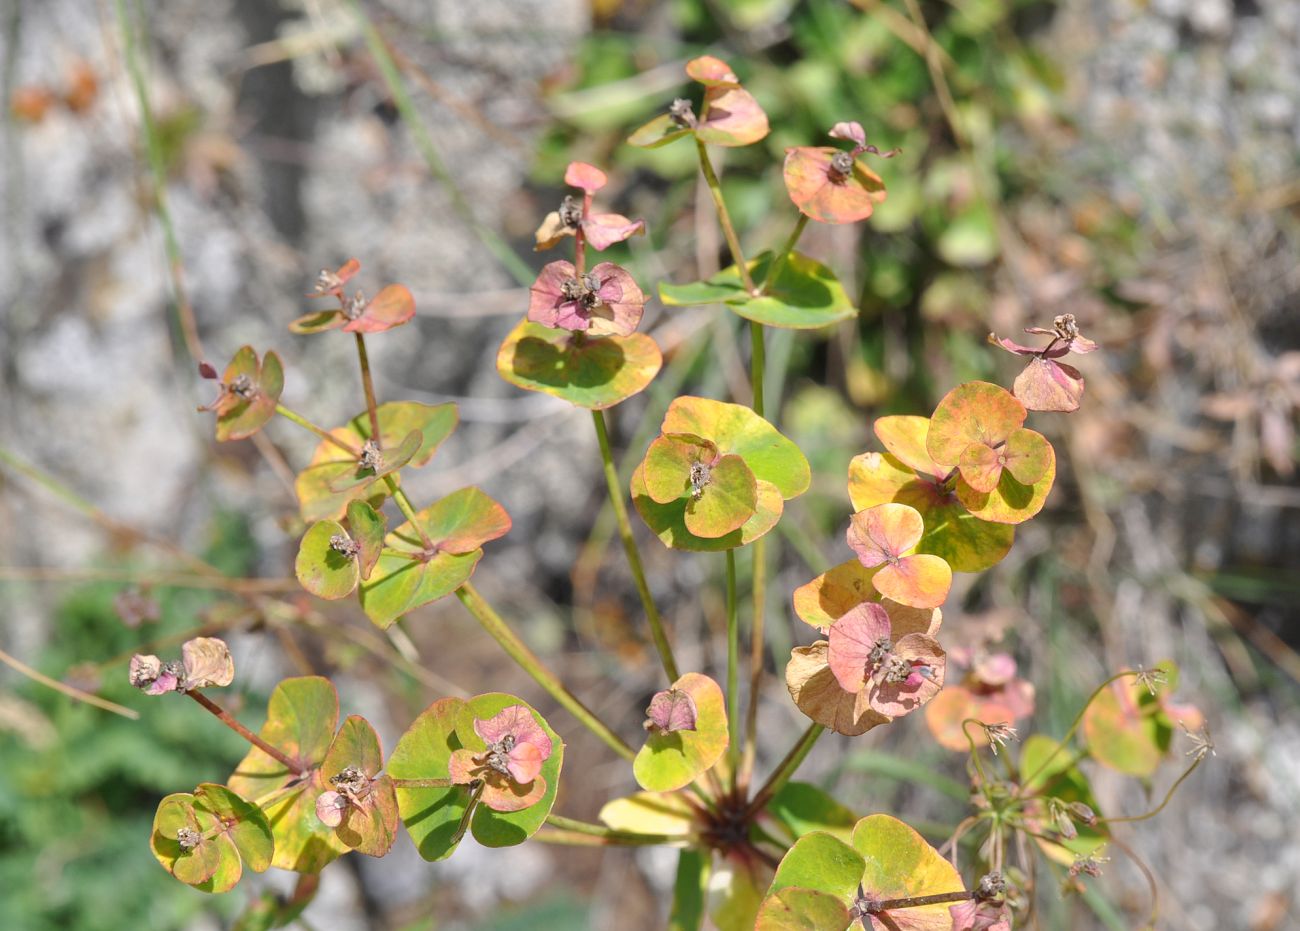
(228, 719)
(527, 660)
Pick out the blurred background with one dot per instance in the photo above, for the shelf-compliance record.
(1133, 162)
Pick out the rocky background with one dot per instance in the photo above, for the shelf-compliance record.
(285, 152)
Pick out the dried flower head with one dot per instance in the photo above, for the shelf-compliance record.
(188, 838)
(830, 185)
(205, 662)
(1202, 743)
(599, 230)
(604, 301)
(999, 735)
(897, 677)
(510, 766)
(670, 710)
(1047, 384)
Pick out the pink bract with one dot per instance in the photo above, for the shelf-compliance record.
(607, 302)
(822, 194)
(330, 806)
(587, 177)
(517, 722)
(897, 677)
(974, 915)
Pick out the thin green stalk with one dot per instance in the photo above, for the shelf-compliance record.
(782, 257)
(607, 834)
(733, 657)
(724, 217)
(785, 769)
(757, 644)
(324, 434)
(527, 660)
(408, 510)
(423, 139)
(629, 546)
(757, 362)
(1027, 781)
(368, 384)
(184, 312)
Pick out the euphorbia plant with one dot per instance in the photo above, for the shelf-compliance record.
(942, 497)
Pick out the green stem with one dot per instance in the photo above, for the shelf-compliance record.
(1161, 807)
(408, 511)
(372, 408)
(630, 548)
(325, 435)
(785, 769)
(527, 660)
(733, 657)
(757, 363)
(778, 263)
(609, 835)
(757, 646)
(228, 719)
(1026, 782)
(185, 321)
(474, 795)
(724, 217)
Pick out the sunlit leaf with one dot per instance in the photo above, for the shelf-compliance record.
(806, 295)
(670, 761)
(431, 815)
(590, 372)
(369, 823)
(325, 565)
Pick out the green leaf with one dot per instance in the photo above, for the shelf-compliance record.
(591, 372)
(901, 864)
(668, 521)
(238, 418)
(320, 568)
(230, 830)
(368, 528)
(795, 909)
(659, 131)
(431, 815)
(394, 459)
(371, 826)
(330, 464)
(247, 826)
(806, 295)
(822, 863)
(690, 890)
(735, 429)
(301, 716)
(650, 813)
(508, 828)
(802, 808)
(671, 761)
(409, 575)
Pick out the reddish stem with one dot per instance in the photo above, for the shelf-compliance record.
(227, 719)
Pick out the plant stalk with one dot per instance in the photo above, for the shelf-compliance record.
(368, 383)
(657, 631)
(724, 217)
(608, 835)
(785, 769)
(527, 660)
(733, 657)
(325, 435)
(228, 719)
(781, 258)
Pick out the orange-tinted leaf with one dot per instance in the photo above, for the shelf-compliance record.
(834, 593)
(905, 438)
(711, 71)
(1027, 456)
(726, 502)
(813, 187)
(817, 694)
(391, 307)
(976, 412)
(883, 533)
(1048, 385)
(732, 117)
(918, 581)
(1011, 502)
